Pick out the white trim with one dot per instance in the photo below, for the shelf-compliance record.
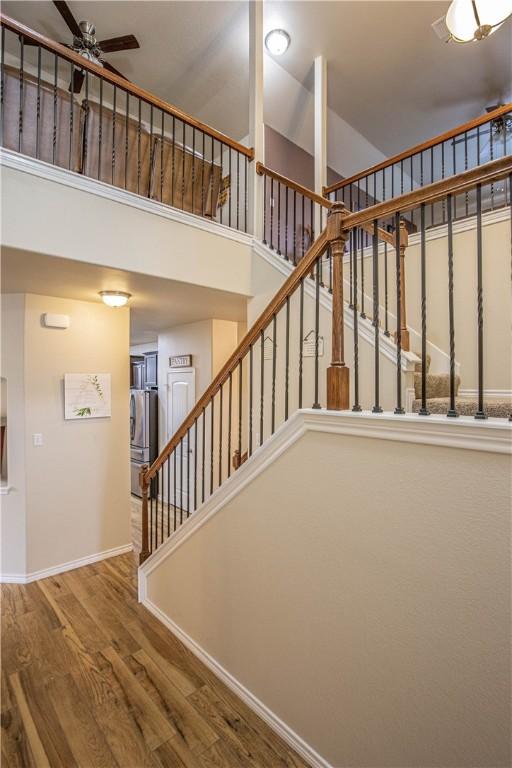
(14, 160)
(365, 327)
(5, 490)
(489, 394)
(465, 432)
(267, 715)
(13, 578)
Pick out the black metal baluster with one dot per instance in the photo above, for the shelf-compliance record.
(303, 230)
(386, 297)
(312, 220)
(151, 155)
(203, 164)
(188, 472)
(114, 116)
(230, 402)
(230, 186)
(274, 369)
(351, 280)
(221, 175)
(238, 190)
(316, 404)
(21, 79)
(195, 463)
(423, 411)
(139, 138)
(193, 169)
(212, 411)
(376, 408)
(86, 121)
(100, 128)
(480, 414)
(454, 158)
(240, 384)
(246, 192)
(466, 167)
(126, 139)
(356, 407)
(452, 411)
(151, 526)
(301, 339)
(162, 134)
(262, 381)
(174, 499)
(251, 363)
(160, 491)
(287, 359)
(203, 456)
(398, 409)
(183, 152)
(491, 157)
(2, 83)
(272, 213)
(443, 206)
(173, 159)
(168, 496)
(286, 226)
(264, 209)
(71, 116)
(38, 105)
(432, 181)
(361, 235)
(279, 218)
(221, 408)
(294, 227)
(181, 481)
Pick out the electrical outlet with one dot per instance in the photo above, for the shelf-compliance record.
(37, 439)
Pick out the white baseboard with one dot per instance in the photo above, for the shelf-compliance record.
(489, 394)
(14, 578)
(282, 729)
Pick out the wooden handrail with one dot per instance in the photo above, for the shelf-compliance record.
(126, 85)
(455, 185)
(301, 271)
(464, 128)
(263, 170)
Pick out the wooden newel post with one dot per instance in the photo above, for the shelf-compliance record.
(404, 242)
(337, 374)
(144, 486)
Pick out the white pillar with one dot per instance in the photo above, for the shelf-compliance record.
(256, 125)
(320, 131)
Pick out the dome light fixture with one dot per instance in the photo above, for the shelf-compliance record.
(470, 20)
(115, 298)
(277, 42)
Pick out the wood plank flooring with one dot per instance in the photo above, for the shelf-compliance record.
(90, 679)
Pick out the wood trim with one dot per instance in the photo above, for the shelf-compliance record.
(455, 185)
(422, 147)
(262, 170)
(120, 82)
(301, 271)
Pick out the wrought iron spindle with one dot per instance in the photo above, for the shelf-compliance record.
(423, 411)
(279, 218)
(251, 371)
(240, 385)
(125, 138)
(183, 153)
(376, 407)
(356, 407)
(100, 128)
(230, 405)
(139, 139)
(262, 381)
(168, 462)
(316, 404)
(361, 237)
(2, 83)
(113, 152)
(264, 209)
(246, 192)
(221, 408)
(398, 409)
(452, 411)
(272, 213)
(274, 369)
(71, 115)
(212, 409)
(287, 359)
(230, 185)
(174, 498)
(195, 463)
(193, 207)
(21, 82)
(203, 456)
(294, 227)
(480, 414)
(301, 339)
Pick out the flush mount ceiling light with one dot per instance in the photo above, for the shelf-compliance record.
(277, 42)
(115, 298)
(469, 20)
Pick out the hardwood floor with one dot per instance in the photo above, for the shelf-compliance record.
(90, 679)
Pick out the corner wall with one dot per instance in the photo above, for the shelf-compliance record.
(75, 494)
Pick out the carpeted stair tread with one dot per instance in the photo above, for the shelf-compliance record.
(466, 406)
(418, 366)
(438, 385)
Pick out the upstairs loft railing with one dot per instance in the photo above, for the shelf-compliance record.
(471, 145)
(301, 354)
(60, 108)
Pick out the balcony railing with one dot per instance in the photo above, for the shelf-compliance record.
(60, 108)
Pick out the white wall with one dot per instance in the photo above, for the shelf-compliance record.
(70, 496)
(102, 231)
(360, 589)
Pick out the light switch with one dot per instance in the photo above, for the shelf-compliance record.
(37, 439)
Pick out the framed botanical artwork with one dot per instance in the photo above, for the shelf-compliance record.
(87, 395)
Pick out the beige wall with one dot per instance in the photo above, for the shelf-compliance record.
(110, 233)
(77, 484)
(368, 608)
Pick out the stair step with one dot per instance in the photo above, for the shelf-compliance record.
(438, 385)
(466, 407)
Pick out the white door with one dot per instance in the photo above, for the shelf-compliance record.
(181, 398)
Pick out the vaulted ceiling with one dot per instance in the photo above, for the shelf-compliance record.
(389, 76)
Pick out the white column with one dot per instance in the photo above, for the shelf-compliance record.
(256, 125)
(320, 131)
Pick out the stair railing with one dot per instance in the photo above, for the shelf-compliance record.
(114, 131)
(467, 146)
(290, 211)
(279, 365)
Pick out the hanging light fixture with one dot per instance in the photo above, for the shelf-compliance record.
(115, 298)
(470, 20)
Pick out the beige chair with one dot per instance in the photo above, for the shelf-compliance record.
(131, 169)
(37, 137)
(188, 182)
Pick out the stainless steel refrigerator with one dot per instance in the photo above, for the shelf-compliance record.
(143, 432)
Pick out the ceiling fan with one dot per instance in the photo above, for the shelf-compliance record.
(86, 44)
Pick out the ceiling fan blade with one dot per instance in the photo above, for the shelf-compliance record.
(78, 81)
(110, 68)
(65, 12)
(122, 43)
